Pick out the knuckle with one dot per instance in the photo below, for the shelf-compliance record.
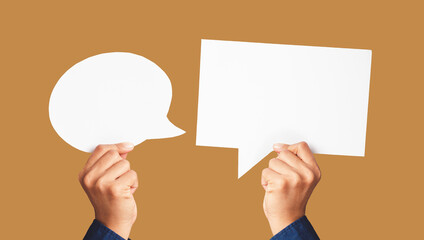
(285, 146)
(100, 147)
(86, 180)
(115, 190)
(295, 177)
(303, 144)
(133, 173)
(126, 163)
(280, 183)
(309, 176)
(273, 162)
(113, 154)
(264, 172)
(100, 184)
(284, 152)
(319, 175)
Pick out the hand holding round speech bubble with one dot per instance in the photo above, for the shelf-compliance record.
(111, 98)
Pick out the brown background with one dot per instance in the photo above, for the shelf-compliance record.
(190, 192)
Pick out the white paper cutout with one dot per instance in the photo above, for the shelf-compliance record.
(111, 98)
(252, 95)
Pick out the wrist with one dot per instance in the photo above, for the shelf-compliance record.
(122, 229)
(278, 224)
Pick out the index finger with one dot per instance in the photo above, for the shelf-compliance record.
(302, 150)
(121, 148)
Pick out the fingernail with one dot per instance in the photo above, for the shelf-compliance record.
(127, 145)
(277, 147)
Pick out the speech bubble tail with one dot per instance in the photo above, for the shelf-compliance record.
(166, 129)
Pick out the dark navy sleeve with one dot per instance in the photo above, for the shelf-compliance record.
(98, 231)
(301, 229)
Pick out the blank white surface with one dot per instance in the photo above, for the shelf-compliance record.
(111, 98)
(252, 95)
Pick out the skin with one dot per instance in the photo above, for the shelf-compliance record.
(110, 184)
(288, 182)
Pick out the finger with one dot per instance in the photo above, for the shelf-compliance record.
(133, 189)
(268, 176)
(106, 161)
(291, 159)
(302, 150)
(117, 170)
(278, 147)
(121, 148)
(128, 179)
(280, 166)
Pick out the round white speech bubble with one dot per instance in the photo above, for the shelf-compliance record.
(110, 98)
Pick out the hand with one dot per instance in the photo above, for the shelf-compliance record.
(110, 184)
(288, 182)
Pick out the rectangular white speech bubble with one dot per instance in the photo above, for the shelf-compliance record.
(252, 95)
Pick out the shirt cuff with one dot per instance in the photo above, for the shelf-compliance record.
(98, 231)
(300, 229)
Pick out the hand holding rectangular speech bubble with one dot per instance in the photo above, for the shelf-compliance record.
(252, 95)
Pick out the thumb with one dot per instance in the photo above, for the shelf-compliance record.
(122, 148)
(278, 147)
(125, 148)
